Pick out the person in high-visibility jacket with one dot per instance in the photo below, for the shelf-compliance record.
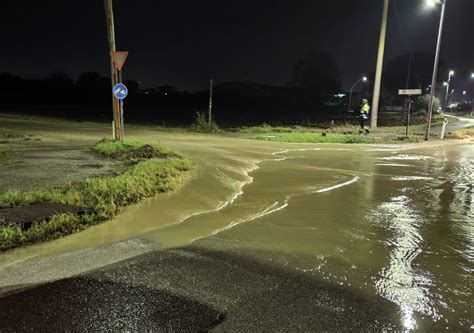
(364, 115)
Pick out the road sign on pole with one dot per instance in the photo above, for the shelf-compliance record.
(118, 58)
(120, 91)
(410, 92)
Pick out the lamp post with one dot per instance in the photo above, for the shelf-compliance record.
(435, 68)
(451, 73)
(364, 79)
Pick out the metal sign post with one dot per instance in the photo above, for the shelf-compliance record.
(408, 115)
(443, 129)
(211, 85)
(120, 92)
(409, 93)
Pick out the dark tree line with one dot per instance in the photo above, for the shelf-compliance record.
(307, 97)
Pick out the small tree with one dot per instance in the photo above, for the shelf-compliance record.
(203, 125)
(421, 105)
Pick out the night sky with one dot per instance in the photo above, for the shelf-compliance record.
(184, 43)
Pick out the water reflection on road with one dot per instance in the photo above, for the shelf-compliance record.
(399, 225)
(399, 281)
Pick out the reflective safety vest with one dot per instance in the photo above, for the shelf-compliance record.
(365, 108)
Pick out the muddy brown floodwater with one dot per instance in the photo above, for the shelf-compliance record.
(395, 222)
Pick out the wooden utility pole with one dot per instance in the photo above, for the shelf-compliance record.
(379, 68)
(211, 84)
(114, 75)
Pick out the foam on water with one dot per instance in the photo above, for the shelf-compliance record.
(394, 165)
(406, 157)
(275, 207)
(334, 187)
(408, 178)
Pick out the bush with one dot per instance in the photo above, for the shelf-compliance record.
(422, 103)
(203, 125)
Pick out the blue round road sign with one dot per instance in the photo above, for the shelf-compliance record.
(120, 91)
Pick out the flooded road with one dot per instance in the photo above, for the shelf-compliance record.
(385, 222)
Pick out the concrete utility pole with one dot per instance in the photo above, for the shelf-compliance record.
(114, 75)
(435, 68)
(211, 86)
(378, 72)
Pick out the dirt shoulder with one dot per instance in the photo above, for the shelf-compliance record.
(39, 164)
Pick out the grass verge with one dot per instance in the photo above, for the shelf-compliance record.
(312, 137)
(103, 197)
(337, 134)
(464, 133)
(10, 134)
(132, 150)
(6, 155)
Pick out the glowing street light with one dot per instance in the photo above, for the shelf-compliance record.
(433, 3)
(363, 79)
(451, 73)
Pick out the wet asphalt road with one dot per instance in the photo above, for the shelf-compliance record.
(159, 291)
(286, 238)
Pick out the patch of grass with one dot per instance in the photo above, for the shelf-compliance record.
(327, 133)
(265, 128)
(103, 197)
(6, 155)
(311, 137)
(131, 150)
(10, 134)
(463, 133)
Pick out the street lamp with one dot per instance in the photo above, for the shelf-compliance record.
(451, 73)
(363, 79)
(432, 3)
